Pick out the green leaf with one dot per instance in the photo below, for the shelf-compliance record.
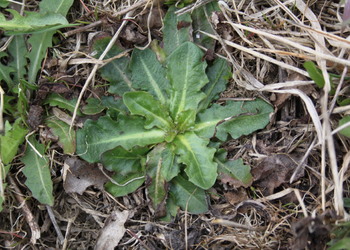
(66, 138)
(201, 23)
(37, 171)
(18, 50)
(127, 166)
(128, 184)
(233, 169)
(114, 106)
(56, 6)
(117, 71)
(188, 196)
(93, 107)
(314, 73)
(4, 170)
(341, 244)
(123, 161)
(56, 100)
(143, 103)
(186, 78)
(5, 71)
(158, 187)
(241, 118)
(218, 73)
(148, 74)
(198, 158)
(13, 138)
(32, 22)
(100, 136)
(172, 36)
(345, 131)
(4, 3)
(41, 42)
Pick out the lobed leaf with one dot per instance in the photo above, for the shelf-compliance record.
(5, 71)
(143, 103)
(32, 22)
(176, 30)
(4, 170)
(37, 171)
(148, 74)
(41, 42)
(231, 170)
(198, 158)
(57, 100)
(186, 79)
(9, 143)
(66, 138)
(100, 136)
(188, 196)
(238, 118)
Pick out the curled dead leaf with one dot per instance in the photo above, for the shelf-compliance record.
(78, 175)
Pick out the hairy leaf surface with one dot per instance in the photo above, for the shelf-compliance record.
(188, 196)
(242, 118)
(148, 74)
(37, 171)
(186, 78)
(143, 103)
(198, 158)
(176, 30)
(99, 136)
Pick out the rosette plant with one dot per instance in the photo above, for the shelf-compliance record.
(162, 130)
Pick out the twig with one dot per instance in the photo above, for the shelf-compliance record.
(94, 69)
(82, 29)
(34, 227)
(55, 225)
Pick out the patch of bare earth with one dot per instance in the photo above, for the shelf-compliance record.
(299, 162)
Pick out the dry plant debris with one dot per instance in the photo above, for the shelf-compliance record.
(300, 163)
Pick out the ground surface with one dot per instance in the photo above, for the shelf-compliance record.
(293, 200)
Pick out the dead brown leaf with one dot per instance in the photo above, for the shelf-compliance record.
(236, 196)
(274, 171)
(310, 233)
(79, 175)
(113, 231)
